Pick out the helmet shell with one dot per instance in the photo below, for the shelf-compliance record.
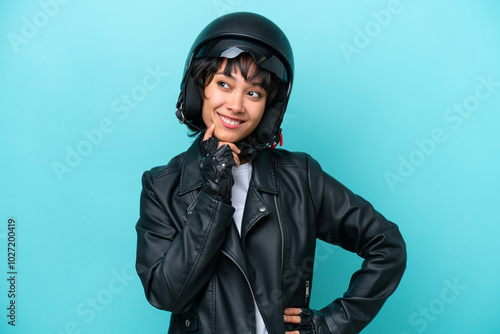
(228, 36)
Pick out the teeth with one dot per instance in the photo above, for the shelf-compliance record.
(230, 121)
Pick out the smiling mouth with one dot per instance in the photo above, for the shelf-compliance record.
(230, 122)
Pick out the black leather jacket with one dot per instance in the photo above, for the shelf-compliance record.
(192, 261)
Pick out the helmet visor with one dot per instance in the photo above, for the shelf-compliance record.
(232, 48)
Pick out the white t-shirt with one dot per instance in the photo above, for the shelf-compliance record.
(242, 176)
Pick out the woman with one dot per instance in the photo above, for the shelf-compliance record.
(227, 230)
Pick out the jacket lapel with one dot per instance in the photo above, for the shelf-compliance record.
(232, 248)
(255, 209)
(191, 174)
(263, 181)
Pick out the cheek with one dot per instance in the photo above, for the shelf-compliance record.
(204, 115)
(212, 98)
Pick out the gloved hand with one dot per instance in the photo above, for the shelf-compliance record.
(312, 322)
(216, 174)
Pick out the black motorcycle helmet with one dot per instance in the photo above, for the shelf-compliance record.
(229, 36)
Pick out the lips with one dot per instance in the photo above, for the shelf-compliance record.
(231, 123)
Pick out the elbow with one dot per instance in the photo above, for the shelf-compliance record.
(164, 303)
(403, 258)
(402, 254)
(399, 256)
(162, 296)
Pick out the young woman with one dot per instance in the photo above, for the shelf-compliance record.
(227, 230)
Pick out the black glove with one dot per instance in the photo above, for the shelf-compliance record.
(216, 174)
(312, 322)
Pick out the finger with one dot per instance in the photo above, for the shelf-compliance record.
(293, 311)
(294, 332)
(232, 146)
(292, 315)
(209, 132)
(235, 150)
(236, 159)
(292, 319)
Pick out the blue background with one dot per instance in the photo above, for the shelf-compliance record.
(377, 89)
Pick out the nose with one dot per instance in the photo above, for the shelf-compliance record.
(235, 102)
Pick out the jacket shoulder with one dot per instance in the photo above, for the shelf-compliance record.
(173, 166)
(284, 158)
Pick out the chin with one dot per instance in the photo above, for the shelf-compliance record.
(228, 137)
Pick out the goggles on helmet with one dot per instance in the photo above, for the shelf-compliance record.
(232, 48)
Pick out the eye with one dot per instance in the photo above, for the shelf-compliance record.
(255, 94)
(223, 84)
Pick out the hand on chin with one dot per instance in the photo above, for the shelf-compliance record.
(210, 132)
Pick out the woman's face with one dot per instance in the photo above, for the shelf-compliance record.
(233, 104)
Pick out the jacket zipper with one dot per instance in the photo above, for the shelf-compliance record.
(282, 235)
(282, 252)
(244, 275)
(308, 291)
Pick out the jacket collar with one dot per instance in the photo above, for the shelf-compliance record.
(263, 171)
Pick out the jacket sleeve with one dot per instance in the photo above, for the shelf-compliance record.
(176, 253)
(349, 221)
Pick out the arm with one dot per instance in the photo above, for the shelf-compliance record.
(349, 221)
(175, 257)
(177, 249)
